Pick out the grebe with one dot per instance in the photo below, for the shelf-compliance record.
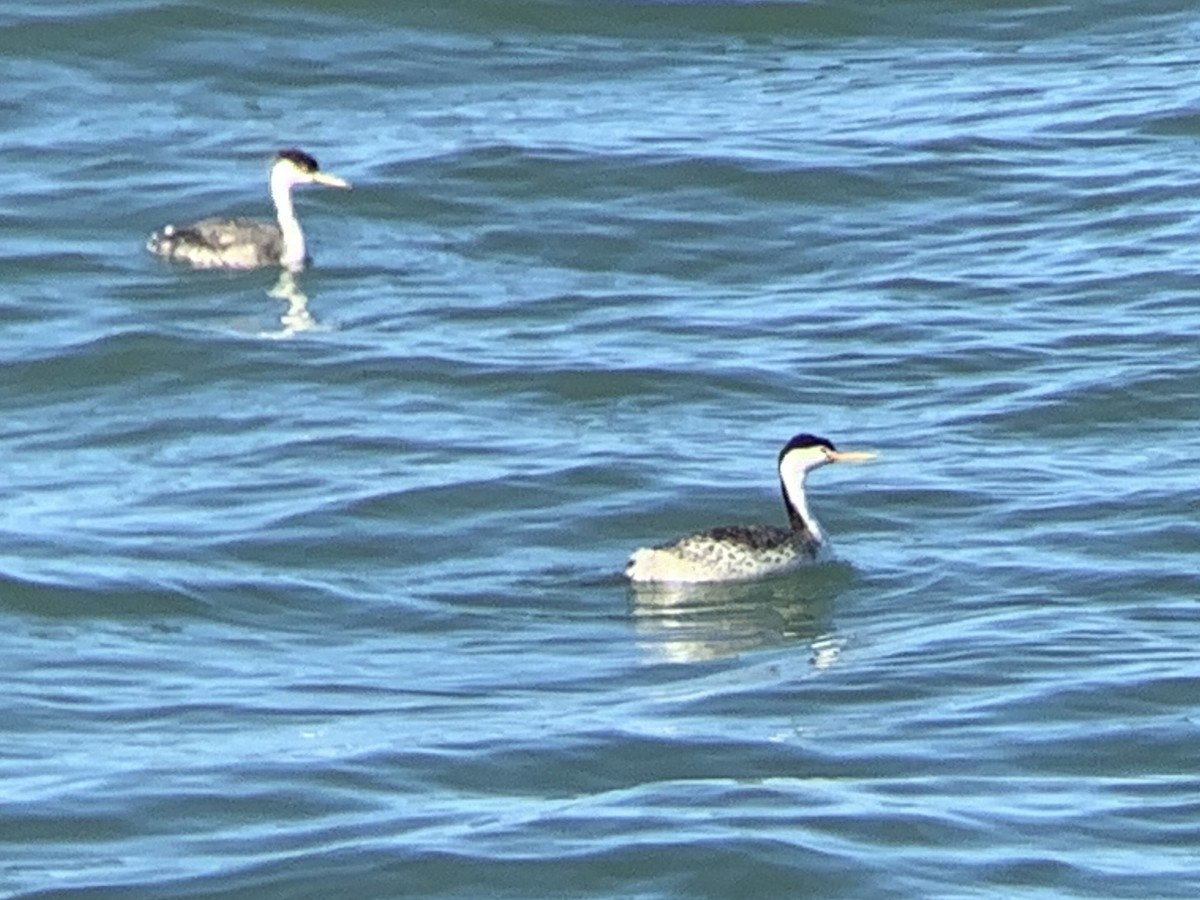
(740, 552)
(247, 243)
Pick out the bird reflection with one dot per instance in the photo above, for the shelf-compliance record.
(297, 318)
(696, 622)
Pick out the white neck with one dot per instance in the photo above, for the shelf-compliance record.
(294, 251)
(792, 477)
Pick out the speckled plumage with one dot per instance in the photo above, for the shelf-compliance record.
(729, 553)
(220, 244)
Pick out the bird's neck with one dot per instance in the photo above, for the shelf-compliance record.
(794, 499)
(294, 251)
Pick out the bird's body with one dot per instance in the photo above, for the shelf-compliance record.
(731, 553)
(249, 243)
(742, 552)
(221, 244)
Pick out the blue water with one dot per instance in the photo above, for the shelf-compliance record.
(312, 589)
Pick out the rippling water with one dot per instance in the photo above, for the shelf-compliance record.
(312, 589)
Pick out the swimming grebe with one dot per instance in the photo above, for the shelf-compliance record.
(248, 243)
(740, 552)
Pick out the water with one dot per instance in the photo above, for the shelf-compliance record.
(318, 594)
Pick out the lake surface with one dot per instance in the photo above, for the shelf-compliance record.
(312, 589)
